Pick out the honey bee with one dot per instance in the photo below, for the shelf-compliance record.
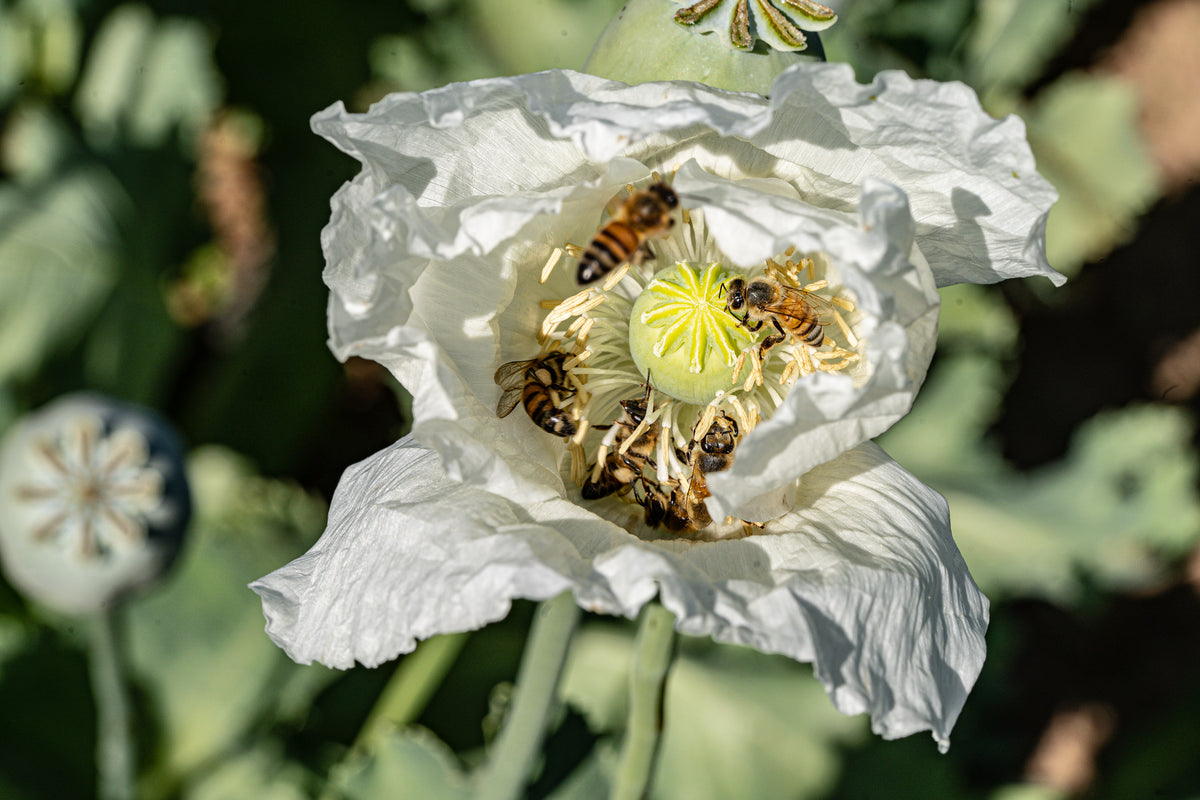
(643, 215)
(685, 510)
(538, 383)
(793, 311)
(618, 469)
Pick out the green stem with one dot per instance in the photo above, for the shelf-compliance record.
(410, 687)
(655, 650)
(114, 739)
(517, 747)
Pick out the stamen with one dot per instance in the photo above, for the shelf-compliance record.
(790, 371)
(578, 459)
(742, 416)
(577, 359)
(664, 443)
(851, 339)
(586, 328)
(601, 455)
(581, 431)
(705, 421)
(650, 418)
(575, 304)
(806, 361)
(555, 257)
(616, 277)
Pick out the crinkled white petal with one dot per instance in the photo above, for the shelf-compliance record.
(863, 579)
(979, 203)
(978, 200)
(823, 414)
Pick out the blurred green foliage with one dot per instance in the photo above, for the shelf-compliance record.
(737, 706)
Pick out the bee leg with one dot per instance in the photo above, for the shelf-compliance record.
(772, 340)
(768, 343)
(641, 255)
(753, 328)
(654, 510)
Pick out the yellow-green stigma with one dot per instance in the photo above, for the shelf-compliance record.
(681, 336)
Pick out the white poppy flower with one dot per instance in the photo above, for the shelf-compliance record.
(445, 261)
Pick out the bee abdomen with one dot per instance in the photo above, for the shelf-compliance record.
(811, 333)
(613, 246)
(544, 413)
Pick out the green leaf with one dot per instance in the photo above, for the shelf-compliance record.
(16, 52)
(532, 35)
(180, 84)
(1085, 136)
(977, 316)
(941, 439)
(764, 724)
(110, 75)
(1012, 40)
(405, 765)
(1026, 791)
(197, 644)
(590, 780)
(144, 78)
(1118, 507)
(1120, 504)
(259, 774)
(57, 263)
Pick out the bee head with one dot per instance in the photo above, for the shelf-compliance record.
(734, 290)
(665, 193)
(721, 436)
(634, 409)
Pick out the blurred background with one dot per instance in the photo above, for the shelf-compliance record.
(161, 200)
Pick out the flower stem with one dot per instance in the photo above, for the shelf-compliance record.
(410, 687)
(114, 739)
(655, 650)
(517, 747)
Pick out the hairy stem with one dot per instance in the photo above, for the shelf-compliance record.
(517, 747)
(652, 657)
(114, 739)
(410, 687)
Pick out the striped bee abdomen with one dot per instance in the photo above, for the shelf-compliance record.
(615, 244)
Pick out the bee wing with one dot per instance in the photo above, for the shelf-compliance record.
(511, 375)
(809, 302)
(508, 401)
